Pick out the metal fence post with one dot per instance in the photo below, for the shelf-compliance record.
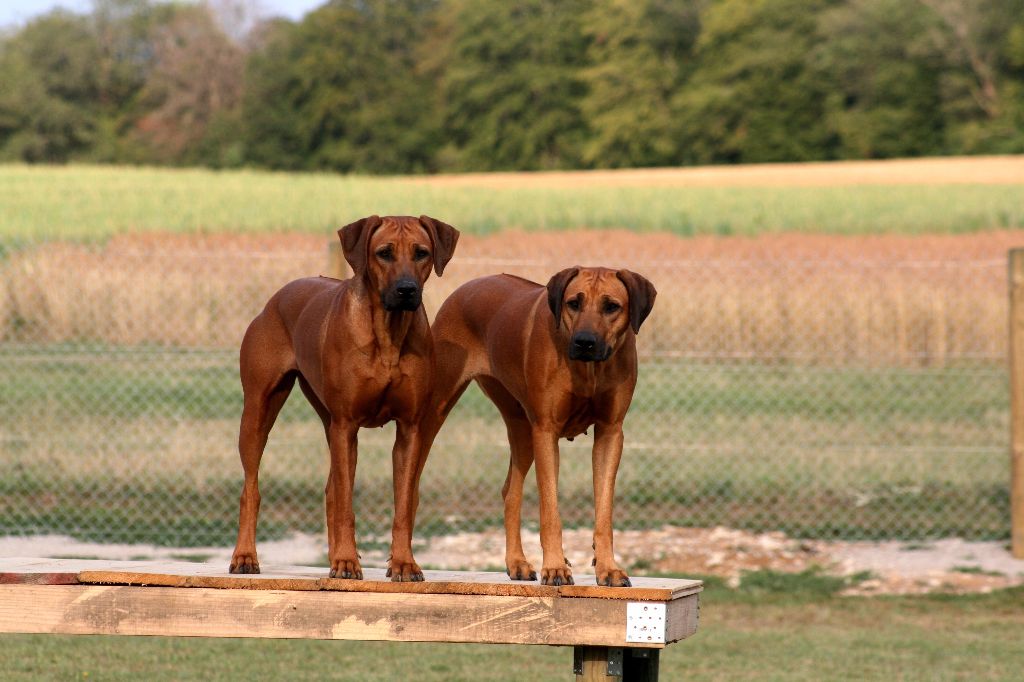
(1016, 280)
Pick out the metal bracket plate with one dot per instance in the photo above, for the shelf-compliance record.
(615, 661)
(645, 622)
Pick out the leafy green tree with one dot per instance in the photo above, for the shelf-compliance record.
(342, 90)
(512, 86)
(124, 30)
(48, 103)
(884, 66)
(982, 85)
(752, 96)
(641, 54)
(193, 88)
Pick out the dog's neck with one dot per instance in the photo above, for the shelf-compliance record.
(390, 328)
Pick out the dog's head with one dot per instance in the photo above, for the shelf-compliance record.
(595, 308)
(394, 255)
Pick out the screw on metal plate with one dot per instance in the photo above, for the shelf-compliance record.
(577, 660)
(645, 622)
(615, 661)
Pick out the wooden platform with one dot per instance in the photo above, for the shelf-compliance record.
(203, 600)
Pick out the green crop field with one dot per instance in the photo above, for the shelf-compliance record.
(85, 203)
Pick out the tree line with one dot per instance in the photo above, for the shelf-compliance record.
(412, 86)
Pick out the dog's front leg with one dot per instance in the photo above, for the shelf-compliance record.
(341, 522)
(402, 567)
(555, 569)
(606, 456)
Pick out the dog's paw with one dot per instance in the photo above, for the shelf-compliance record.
(346, 568)
(521, 570)
(556, 576)
(405, 572)
(614, 577)
(245, 562)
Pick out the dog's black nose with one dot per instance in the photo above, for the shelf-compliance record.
(584, 342)
(406, 288)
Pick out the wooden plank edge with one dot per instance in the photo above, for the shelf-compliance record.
(163, 611)
(56, 578)
(385, 587)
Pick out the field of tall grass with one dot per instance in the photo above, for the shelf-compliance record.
(186, 292)
(87, 202)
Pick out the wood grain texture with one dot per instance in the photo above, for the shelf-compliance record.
(208, 612)
(305, 578)
(595, 666)
(1016, 279)
(682, 617)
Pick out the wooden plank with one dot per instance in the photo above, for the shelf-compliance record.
(206, 612)
(1016, 280)
(376, 581)
(593, 665)
(681, 619)
(58, 571)
(307, 578)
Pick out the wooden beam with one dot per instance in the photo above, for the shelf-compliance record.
(211, 612)
(1016, 281)
(276, 577)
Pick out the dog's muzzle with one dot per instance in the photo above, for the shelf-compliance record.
(403, 294)
(588, 347)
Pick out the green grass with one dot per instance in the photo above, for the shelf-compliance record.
(88, 203)
(773, 627)
(119, 444)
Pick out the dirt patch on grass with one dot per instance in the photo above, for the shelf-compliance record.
(890, 568)
(950, 566)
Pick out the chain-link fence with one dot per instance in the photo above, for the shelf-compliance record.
(828, 397)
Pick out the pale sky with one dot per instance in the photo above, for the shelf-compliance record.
(14, 12)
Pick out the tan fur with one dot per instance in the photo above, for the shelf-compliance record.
(359, 363)
(501, 331)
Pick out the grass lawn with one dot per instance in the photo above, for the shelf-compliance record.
(94, 202)
(773, 627)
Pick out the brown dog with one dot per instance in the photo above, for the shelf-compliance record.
(555, 360)
(362, 353)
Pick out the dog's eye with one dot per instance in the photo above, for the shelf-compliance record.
(573, 304)
(385, 254)
(420, 254)
(611, 307)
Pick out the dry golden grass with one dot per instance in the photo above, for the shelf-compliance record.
(964, 170)
(868, 300)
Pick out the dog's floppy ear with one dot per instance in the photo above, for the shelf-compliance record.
(355, 239)
(641, 297)
(556, 291)
(445, 237)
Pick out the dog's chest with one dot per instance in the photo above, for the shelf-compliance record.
(383, 397)
(580, 418)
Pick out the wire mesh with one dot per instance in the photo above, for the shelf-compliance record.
(827, 397)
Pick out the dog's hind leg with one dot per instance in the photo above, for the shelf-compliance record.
(521, 445)
(265, 388)
(325, 418)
